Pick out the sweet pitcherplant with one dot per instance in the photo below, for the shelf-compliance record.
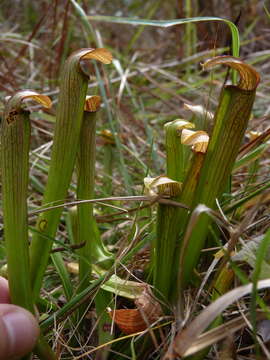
(15, 146)
(69, 116)
(87, 231)
(15, 158)
(230, 123)
(168, 221)
(204, 182)
(198, 168)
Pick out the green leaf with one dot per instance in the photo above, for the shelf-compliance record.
(169, 23)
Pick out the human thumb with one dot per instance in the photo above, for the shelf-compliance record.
(18, 331)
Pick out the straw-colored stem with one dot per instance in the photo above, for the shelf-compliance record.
(222, 285)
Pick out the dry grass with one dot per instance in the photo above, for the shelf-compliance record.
(148, 84)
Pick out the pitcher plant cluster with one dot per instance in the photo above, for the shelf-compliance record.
(185, 199)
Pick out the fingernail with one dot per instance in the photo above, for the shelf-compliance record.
(4, 295)
(21, 330)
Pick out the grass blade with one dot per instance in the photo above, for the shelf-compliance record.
(169, 23)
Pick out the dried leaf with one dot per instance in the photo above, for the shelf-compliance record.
(228, 349)
(187, 337)
(128, 320)
(263, 329)
(148, 306)
(248, 254)
(214, 335)
(135, 320)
